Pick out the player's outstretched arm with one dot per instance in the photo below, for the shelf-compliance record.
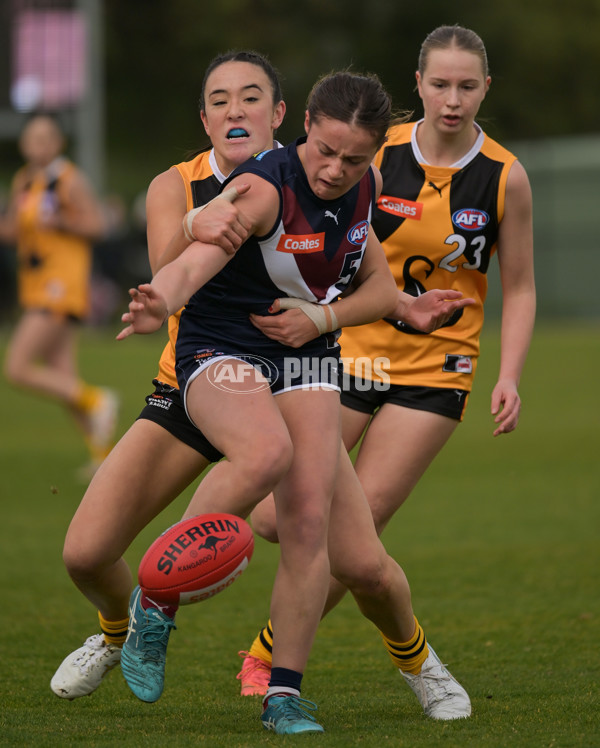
(147, 311)
(179, 280)
(429, 311)
(171, 288)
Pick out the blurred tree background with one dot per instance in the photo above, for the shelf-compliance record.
(544, 60)
(544, 104)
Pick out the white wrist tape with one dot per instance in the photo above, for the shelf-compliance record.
(229, 194)
(322, 315)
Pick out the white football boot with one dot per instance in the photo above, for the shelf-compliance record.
(439, 693)
(81, 672)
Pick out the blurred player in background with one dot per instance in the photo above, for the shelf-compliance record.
(162, 452)
(451, 197)
(53, 217)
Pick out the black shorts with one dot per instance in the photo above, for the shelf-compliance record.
(359, 394)
(74, 318)
(164, 407)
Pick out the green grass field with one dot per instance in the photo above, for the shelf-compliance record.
(500, 542)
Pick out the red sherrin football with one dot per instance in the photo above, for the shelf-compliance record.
(196, 558)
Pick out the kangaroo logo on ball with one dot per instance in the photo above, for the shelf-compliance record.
(211, 544)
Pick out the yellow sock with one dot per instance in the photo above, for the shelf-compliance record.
(262, 646)
(114, 632)
(410, 655)
(87, 397)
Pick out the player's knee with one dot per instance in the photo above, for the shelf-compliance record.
(82, 562)
(310, 528)
(266, 463)
(79, 567)
(366, 576)
(264, 520)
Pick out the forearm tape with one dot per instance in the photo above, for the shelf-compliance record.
(322, 315)
(229, 194)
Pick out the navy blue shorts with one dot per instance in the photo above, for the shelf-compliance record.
(209, 342)
(277, 373)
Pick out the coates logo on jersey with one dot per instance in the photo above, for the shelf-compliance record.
(358, 233)
(301, 244)
(470, 219)
(400, 207)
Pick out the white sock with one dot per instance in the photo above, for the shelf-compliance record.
(280, 691)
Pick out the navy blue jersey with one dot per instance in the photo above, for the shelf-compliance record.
(312, 252)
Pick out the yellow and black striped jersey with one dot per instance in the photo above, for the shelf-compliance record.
(201, 185)
(54, 267)
(439, 228)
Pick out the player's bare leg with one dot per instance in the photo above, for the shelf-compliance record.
(377, 582)
(144, 474)
(388, 464)
(398, 447)
(302, 500)
(248, 428)
(126, 493)
(244, 424)
(42, 357)
(39, 338)
(382, 593)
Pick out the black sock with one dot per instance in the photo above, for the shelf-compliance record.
(282, 677)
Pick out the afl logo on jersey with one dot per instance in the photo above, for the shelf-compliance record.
(470, 219)
(358, 233)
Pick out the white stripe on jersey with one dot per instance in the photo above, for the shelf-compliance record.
(283, 270)
(285, 274)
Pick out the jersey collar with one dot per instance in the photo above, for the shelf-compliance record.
(462, 162)
(212, 160)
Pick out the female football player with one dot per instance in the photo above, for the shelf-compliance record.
(241, 107)
(451, 198)
(283, 433)
(54, 216)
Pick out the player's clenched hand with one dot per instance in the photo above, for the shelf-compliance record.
(431, 310)
(506, 406)
(220, 222)
(292, 327)
(147, 311)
